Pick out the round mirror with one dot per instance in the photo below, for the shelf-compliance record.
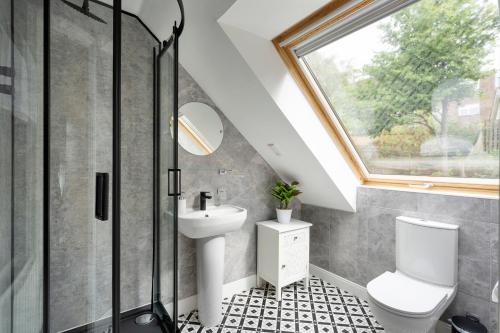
(200, 128)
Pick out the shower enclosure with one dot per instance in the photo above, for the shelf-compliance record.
(88, 169)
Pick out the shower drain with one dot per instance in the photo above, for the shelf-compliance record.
(144, 319)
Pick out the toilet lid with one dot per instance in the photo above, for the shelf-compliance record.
(405, 295)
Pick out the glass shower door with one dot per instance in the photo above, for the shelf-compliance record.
(21, 166)
(81, 149)
(6, 110)
(169, 184)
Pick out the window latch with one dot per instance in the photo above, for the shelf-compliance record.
(422, 186)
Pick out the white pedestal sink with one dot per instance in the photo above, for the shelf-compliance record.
(208, 227)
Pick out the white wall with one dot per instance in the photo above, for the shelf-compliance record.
(262, 57)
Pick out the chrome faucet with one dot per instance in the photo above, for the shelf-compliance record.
(203, 200)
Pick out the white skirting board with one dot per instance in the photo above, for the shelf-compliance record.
(357, 290)
(186, 305)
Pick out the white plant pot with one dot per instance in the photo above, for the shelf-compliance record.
(284, 215)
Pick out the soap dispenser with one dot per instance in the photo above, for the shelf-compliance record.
(182, 204)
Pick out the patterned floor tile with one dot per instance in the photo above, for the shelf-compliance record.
(287, 326)
(320, 307)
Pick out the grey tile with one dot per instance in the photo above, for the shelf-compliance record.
(459, 207)
(494, 270)
(381, 240)
(187, 279)
(240, 255)
(494, 242)
(493, 322)
(319, 250)
(187, 251)
(385, 198)
(474, 278)
(494, 204)
(320, 232)
(349, 241)
(321, 261)
(316, 215)
(474, 240)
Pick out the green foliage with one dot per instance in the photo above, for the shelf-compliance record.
(401, 141)
(338, 86)
(430, 43)
(285, 192)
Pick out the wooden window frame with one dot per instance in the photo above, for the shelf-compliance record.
(318, 22)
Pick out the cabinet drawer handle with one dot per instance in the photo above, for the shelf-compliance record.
(283, 266)
(295, 238)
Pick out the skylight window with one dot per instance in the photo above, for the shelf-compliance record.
(412, 88)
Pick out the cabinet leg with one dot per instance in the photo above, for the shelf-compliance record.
(278, 294)
(306, 282)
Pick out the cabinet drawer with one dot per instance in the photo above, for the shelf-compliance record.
(293, 237)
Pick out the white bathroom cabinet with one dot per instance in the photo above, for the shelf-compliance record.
(282, 253)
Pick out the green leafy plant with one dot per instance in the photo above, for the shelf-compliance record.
(285, 192)
(402, 141)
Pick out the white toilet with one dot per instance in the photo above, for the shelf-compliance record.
(412, 299)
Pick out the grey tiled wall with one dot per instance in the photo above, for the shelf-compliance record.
(248, 186)
(360, 246)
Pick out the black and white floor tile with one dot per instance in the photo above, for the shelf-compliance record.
(320, 308)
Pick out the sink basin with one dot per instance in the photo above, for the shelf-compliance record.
(216, 220)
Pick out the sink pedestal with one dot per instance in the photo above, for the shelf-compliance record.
(210, 278)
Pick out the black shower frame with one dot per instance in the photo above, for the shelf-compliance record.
(173, 41)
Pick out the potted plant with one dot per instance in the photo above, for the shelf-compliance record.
(285, 192)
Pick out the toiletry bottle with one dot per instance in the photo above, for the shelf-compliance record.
(221, 196)
(182, 204)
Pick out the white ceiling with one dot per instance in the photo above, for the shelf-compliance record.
(268, 19)
(159, 15)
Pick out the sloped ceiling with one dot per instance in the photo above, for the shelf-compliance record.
(226, 47)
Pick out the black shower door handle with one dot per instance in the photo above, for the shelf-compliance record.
(176, 173)
(101, 196)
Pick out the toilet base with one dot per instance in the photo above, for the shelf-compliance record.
(394, 323)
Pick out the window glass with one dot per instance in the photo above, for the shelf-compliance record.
(418, 92)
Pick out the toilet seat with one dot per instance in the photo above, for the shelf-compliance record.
(406, 296)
